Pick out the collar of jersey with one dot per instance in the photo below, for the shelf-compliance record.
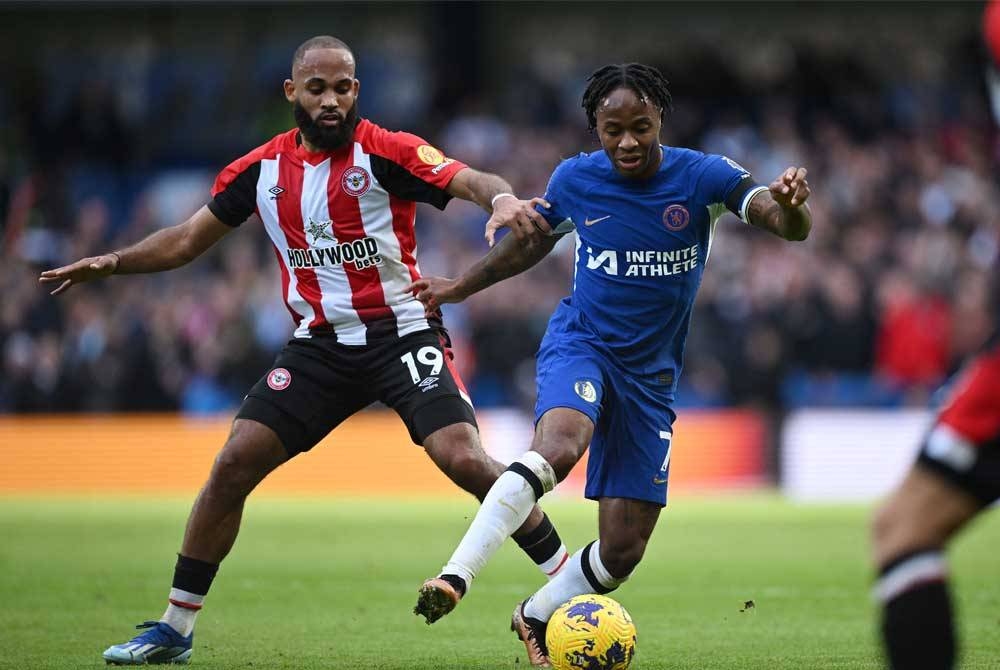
(316, 157)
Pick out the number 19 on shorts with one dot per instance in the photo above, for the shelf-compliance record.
(429, 357)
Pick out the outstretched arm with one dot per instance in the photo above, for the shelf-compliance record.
(508, 258)
(782, 209)
(163, 250)
(496, 196)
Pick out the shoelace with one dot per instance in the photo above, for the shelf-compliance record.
(153, 634)
(533, 638)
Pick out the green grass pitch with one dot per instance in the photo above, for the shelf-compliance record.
(331, 583)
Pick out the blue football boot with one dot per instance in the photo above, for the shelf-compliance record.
(159, 644)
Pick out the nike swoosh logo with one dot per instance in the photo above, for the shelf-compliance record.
(590, 222)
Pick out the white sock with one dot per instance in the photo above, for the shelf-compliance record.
(504, 509)
(555, 565)
(573, 580)
(182, 611)
(604, 578)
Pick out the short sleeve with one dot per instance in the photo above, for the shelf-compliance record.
(409, 167)
(402, 183)
(235, 192)
(725, 181)
(419, 158)
(557, 215)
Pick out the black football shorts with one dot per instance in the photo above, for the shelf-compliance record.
(964, 444)
(316, 383)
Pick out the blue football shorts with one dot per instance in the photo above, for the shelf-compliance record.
(630, 450)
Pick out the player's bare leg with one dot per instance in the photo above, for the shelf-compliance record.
(925, 510)
(251, 452)
(624, 527)
(562, 436)
(457, 452)
(909, 532)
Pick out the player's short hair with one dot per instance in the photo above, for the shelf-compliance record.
(645, 81)
(319, 42)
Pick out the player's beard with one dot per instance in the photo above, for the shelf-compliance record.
(323, 137)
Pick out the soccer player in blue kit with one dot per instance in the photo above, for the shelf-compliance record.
(607, 368)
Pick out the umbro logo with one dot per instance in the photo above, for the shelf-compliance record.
(275, 191)
(590, 222)
(428, 383)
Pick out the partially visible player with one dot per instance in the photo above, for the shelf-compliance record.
(337, 195)
(956, 476)
(644, 216)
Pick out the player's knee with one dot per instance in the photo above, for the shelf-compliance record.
(458, 454)
(561, 440)
(230, 476)
(562, 452)
(882, 525)
(243, 462)
(472, 470)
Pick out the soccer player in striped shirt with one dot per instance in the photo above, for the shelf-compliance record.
(337, 195)
(644, 215)
(955, 478)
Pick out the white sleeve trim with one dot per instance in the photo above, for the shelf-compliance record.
(715, 212)
(746, 201)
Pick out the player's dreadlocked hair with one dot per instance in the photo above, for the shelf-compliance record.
(319, 42)
(647, 82)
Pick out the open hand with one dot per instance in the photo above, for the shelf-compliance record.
(81, 271)
(790, 189)
(524, 221)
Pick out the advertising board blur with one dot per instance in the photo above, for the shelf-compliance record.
(848, 455)
(370, 454)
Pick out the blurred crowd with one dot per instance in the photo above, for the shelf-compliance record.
(894, 287)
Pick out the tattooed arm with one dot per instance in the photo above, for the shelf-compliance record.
(782, 209)
(508, 258)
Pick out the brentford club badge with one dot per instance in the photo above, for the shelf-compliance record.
(356, 181)
(676, 217)
(279, 379)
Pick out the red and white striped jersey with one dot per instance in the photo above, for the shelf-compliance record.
(341, 223)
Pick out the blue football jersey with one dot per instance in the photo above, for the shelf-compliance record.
(641, 248)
